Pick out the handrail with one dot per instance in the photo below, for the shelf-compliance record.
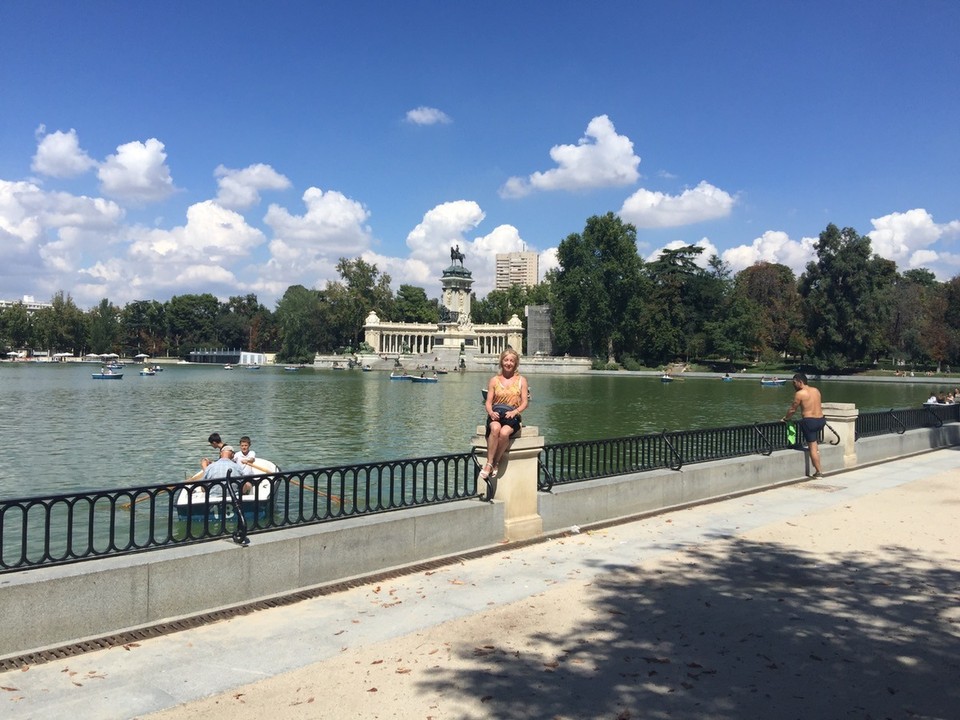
(936, 417)
(903, 428)
(766, 441)
(240, 534)
(835, 434)
(545, 478)
(673, 451)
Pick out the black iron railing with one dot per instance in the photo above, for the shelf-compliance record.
(885, 422)
(61, 529)
(585, 460)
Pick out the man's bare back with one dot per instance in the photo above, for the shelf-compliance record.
(808, 398)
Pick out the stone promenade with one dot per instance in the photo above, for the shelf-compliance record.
(831, 599)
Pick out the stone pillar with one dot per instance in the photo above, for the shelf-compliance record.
(842, 417)
(517, 482)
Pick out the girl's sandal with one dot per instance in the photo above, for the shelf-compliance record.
(485, 472)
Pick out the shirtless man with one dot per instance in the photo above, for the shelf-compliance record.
(808, 400)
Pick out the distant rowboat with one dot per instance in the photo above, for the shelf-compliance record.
(772, 382)
(107, 375)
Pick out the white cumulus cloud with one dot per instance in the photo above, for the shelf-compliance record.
(59, 154)
(774, 246)
(601, 158)
(137, 172)
(648, 209)
(305, 248)
(907, 237)
(441, 228)
(427, 116)
(241, 189)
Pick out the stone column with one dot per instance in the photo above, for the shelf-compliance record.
(842, 417)
(517, 482)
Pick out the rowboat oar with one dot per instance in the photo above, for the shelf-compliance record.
(168, 488)
(335, 498)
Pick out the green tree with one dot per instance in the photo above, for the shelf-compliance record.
(105, 331)
(192, 321)
(144, 327)
(500, 305)
(845, 293)
(16, 326)
(298, 317)
(596, 288)
(671, 316)
(412, 305)
(365, 289)
(775, 305)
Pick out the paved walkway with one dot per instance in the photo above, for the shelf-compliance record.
(834, 599)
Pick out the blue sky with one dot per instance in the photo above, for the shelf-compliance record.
(149, 150)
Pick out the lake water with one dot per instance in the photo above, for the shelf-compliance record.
(64, 431)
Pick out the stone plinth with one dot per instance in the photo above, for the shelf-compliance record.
(517, 482)
(842, 417)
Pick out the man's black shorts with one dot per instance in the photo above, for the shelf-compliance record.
(811, 427)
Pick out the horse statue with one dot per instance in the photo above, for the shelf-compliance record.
(455, 255)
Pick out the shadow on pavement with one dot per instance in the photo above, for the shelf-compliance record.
(736, 630)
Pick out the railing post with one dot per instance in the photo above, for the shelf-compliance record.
(842, 417)
(517, 482)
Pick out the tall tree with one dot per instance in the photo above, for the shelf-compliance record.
(17, 326)
(596, 288)
(192, 320)
(105, 328)
(298, 317)
(775, 306)
(844, 292)
(412, 305)
(366, 289)
(671, 312)
(144, 327)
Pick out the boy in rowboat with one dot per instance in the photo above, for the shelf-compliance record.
(808, 400)
(245, 456)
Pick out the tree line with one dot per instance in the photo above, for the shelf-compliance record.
(847, 310)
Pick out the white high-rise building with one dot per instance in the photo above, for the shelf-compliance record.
(516, 268)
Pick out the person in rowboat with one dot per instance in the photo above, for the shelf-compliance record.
(226, 467)
(245, 456)
(216, 442)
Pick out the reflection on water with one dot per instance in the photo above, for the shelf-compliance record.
(65, 432)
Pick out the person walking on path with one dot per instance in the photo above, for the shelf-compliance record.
(807, 398)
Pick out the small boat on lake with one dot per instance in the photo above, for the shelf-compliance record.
(291, 368)
(772, 382)
(422, 379)
(252, 367)
(212, 499)
(665, 378)
(148, 372)
(228, 366)
(727, 378)
(107, 374)
(400, 376)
